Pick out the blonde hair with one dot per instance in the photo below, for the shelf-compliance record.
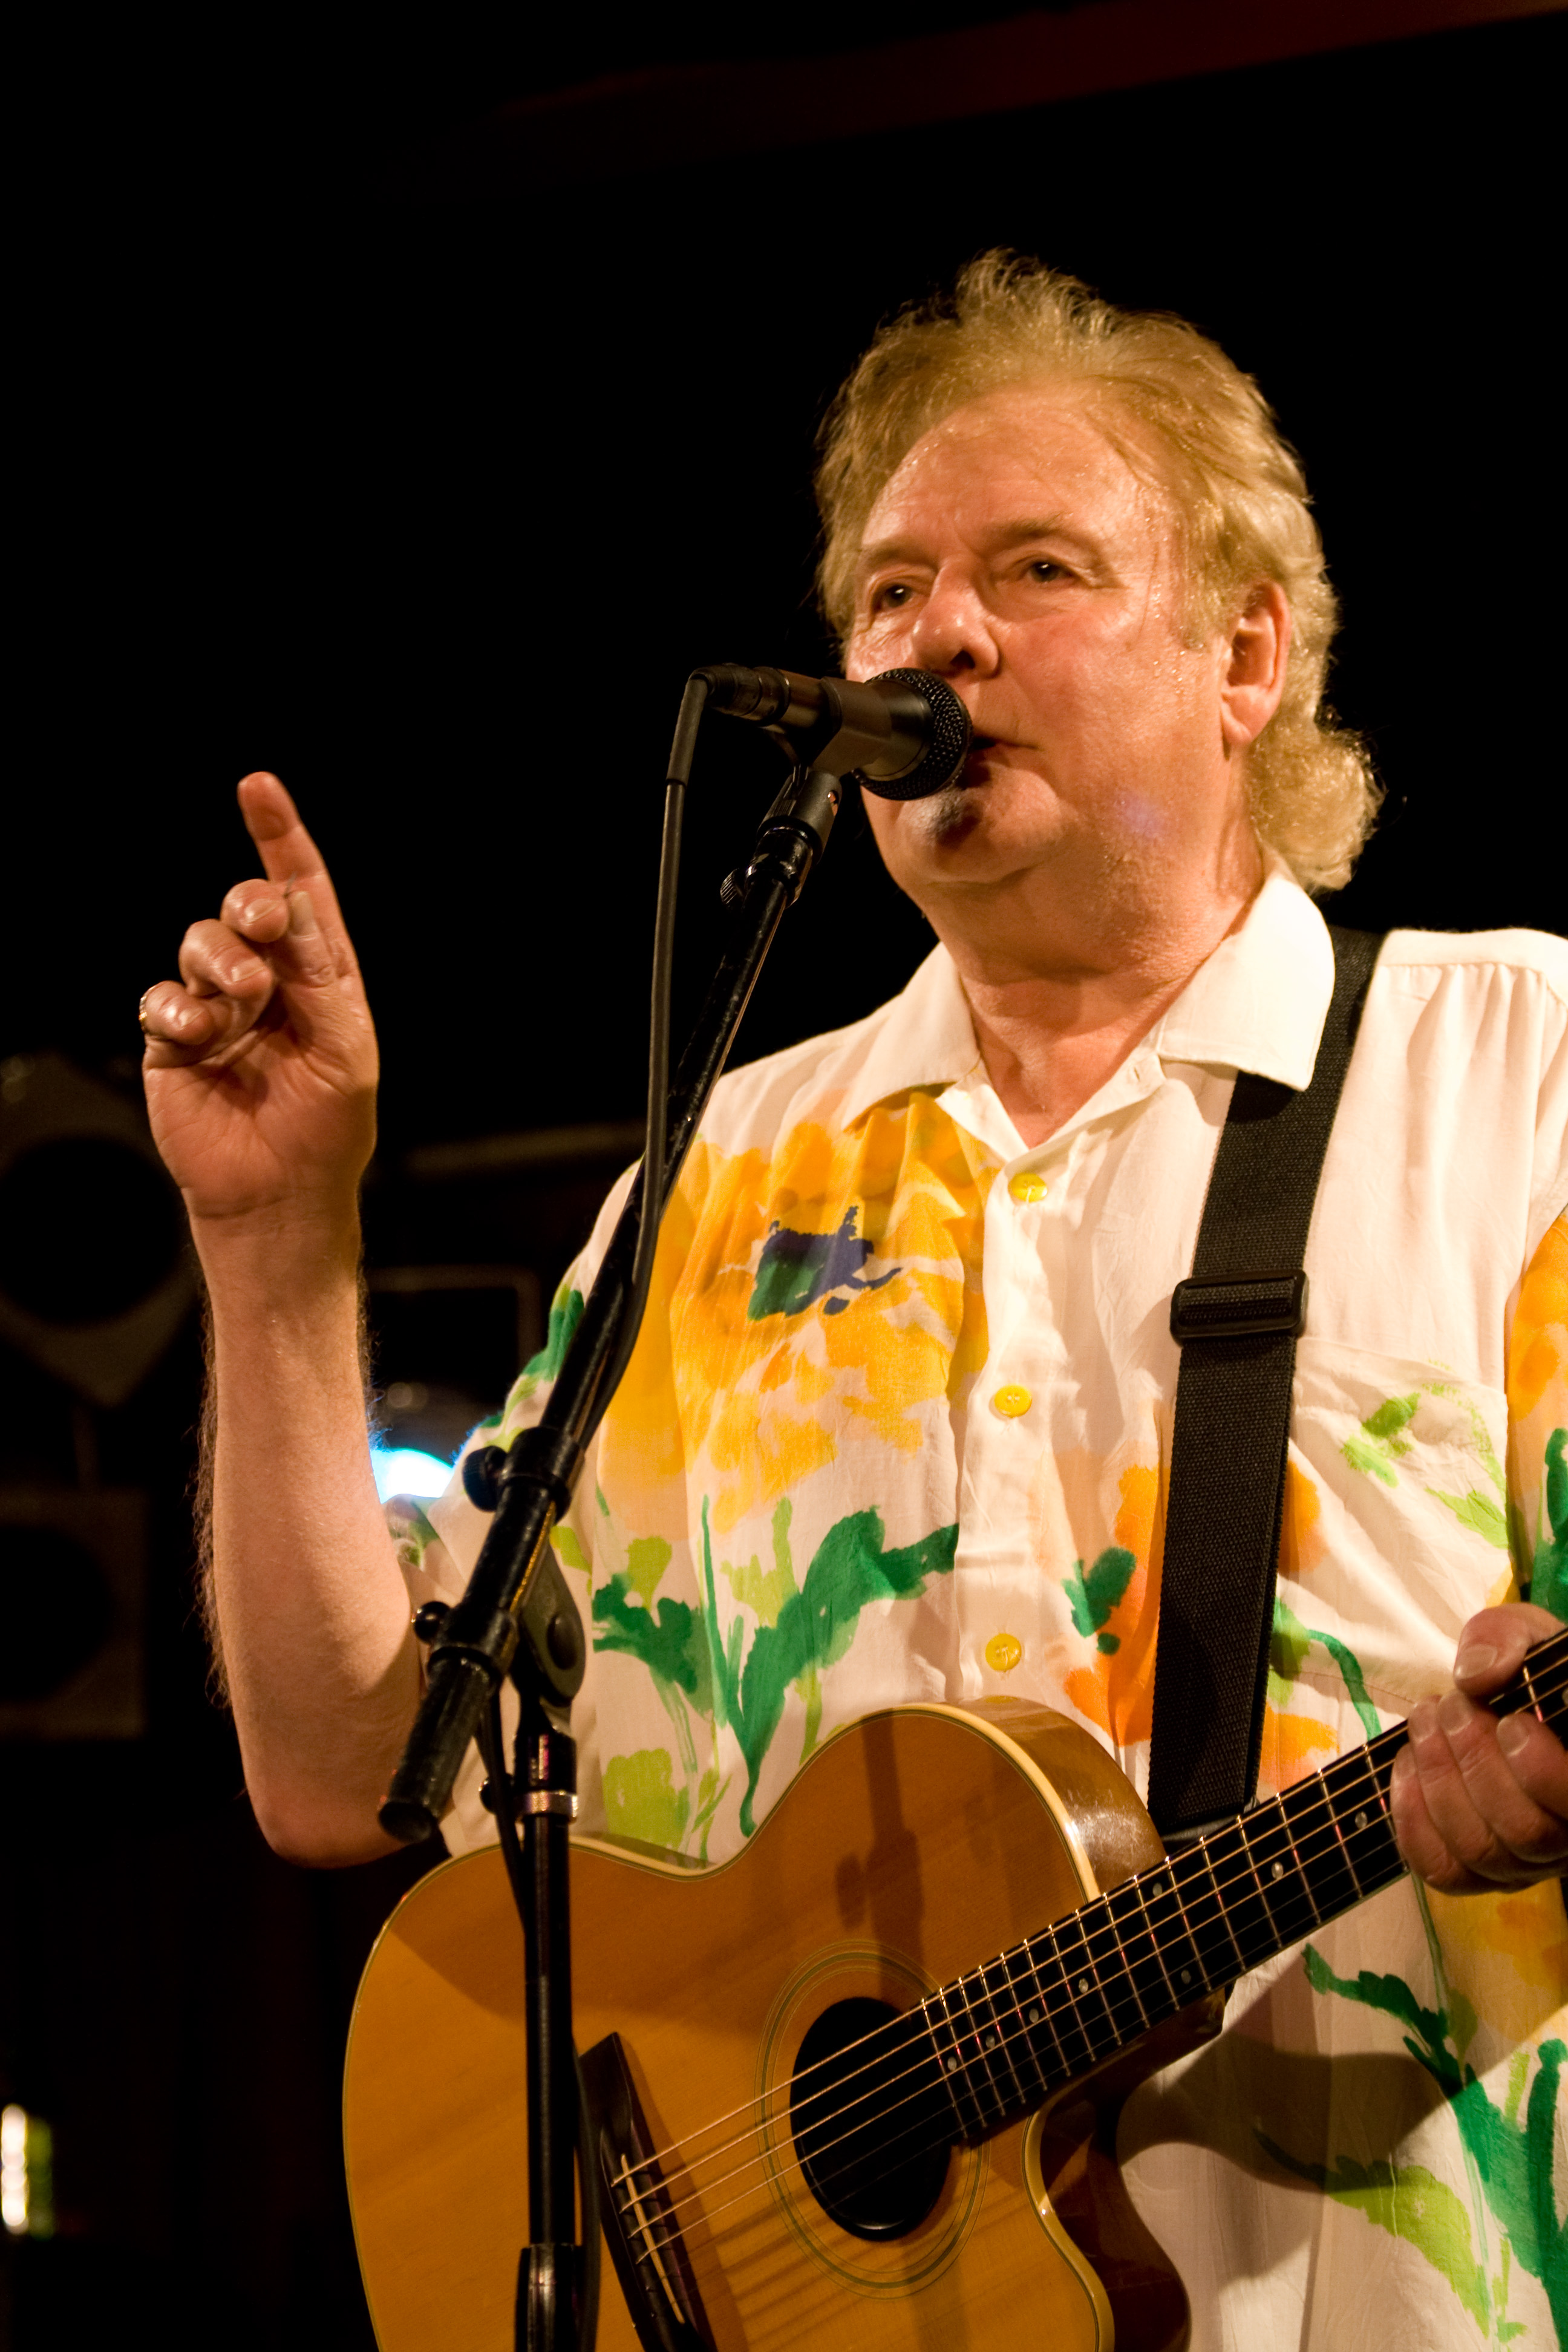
(1235, 483)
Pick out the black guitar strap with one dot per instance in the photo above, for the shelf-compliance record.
(1237, 1317)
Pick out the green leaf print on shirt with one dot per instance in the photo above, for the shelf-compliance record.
(798, 1633)
(1514, 2161)
(1288, 1646)
(670, 1639)
(1547, 1586)
(1480, 1513)
(641, 1801)
(764, 1593)
(1486, 1515)
(1381, 1440)
(1092, 1598)
(814, 1629)
(565, 1314)
(1409, 2203)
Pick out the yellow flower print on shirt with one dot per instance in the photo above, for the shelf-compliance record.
(802, 1302)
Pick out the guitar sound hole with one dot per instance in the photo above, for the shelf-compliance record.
(872, 2151)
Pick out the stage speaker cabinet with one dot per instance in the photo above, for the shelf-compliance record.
(73, 1571)
(94, 1276)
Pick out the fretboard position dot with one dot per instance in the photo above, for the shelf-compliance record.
(953, 2066)
(1083, 1984)
(991, 2041)
(1361, 1820)
(1278, 1870)
(1034, 2016)
(1186, 1975)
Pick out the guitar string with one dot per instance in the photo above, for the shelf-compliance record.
(1327, 1831)
(1124, 2035)
(1112, 1999)
(663, 2221)
(708, 2259)
(682, 2148)
(1248, 1823)
(658, 2233)
(662, 2233)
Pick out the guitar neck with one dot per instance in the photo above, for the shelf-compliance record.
(1010, 2032)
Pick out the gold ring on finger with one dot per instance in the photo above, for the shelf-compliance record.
(141, 1011)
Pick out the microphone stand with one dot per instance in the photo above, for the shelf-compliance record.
(518, 1616)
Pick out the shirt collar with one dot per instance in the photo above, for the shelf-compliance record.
(925, 1038)
(1258, 1002)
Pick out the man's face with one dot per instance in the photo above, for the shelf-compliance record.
(1017, 554)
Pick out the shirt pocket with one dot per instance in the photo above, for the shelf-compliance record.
(1397, 1512)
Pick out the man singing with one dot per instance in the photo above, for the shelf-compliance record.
(897, 1426)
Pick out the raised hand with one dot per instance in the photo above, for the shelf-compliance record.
(260, 1063)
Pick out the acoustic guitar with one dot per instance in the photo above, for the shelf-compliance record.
(855, 2089)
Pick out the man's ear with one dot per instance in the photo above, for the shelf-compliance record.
(1254, 679)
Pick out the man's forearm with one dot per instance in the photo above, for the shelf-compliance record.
(308, 1605)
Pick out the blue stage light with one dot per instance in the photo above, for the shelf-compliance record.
(405, 1470)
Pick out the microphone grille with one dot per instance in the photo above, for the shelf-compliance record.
(950, 737)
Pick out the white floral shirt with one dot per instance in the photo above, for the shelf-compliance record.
(898, 1427)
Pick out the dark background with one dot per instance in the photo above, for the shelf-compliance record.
(429, 505)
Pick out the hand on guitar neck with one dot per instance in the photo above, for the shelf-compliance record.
(1481, 1805)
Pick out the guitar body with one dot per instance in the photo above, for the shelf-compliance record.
(910, 1848)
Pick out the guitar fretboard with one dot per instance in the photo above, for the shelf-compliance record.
(1010, 2032)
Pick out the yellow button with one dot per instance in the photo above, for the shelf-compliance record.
(1026, 1186)
(1003, 1652)
(1011, 1401)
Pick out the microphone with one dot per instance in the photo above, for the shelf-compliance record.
(905, 734)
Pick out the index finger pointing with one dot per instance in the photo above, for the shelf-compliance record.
(288, 854)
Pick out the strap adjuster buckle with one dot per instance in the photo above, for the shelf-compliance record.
(1238, 1306)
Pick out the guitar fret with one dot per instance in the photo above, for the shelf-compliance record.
(1251, 1922)
(1008, 2048)
(1024, 2056)
(1044, 2010)
(1369, 1832)
(1320, 1841)
(1107, 1962)
(981, 2039)
(1169, 2003)
(1288, 1908)
(1140, 1953)
(1208, 1921)
(947, 2043)
(1084, 1966)
(1179, 1954)
(1038, 2011)
(996, 2044)
(1345, 1852)
(1079, 2048)
(1301, 1873)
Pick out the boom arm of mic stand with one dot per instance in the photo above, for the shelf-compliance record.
(517, 1597)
